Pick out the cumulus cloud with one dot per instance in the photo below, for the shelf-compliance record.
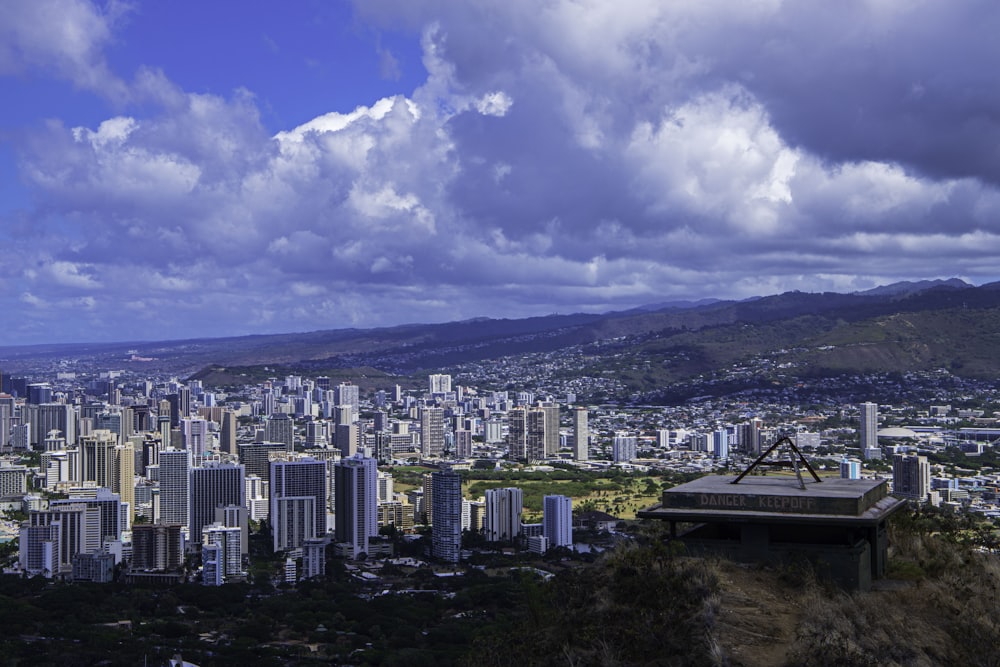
(66, 37)
(559, 156)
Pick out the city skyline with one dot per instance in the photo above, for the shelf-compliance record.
(178, 171)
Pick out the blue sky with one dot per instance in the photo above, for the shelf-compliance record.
(179, 169)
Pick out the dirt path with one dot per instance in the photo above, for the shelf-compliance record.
(757, 620)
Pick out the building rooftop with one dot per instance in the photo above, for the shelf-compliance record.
(775, 498)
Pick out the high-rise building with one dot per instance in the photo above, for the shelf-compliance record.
(236, 516)
(355, 502)
(348, 394)
(439, 383)
(227, 432)
(911, 476)
(108, 505)
(158, 547)
(551, 435)
(869, 431)
(533, 432)
(256, 456)
(463, 444)
(623, 447)
(581, 435)
(6, 420)
(537, 436)
(97, 452)
(256, 497)
(503, 514)
(54, 416)
(557, 520)
(314, 557)
(174, 467)
(73, 529)
(346, 437)
(850, 469)
(280, 427)
(212, 485)
(385, 486)
(748, 437)
(195, 432)
(720, 443)
(316, 435)
(221, 558)
(298, 502)
(431, 432)
(446, 533)
(517, 433)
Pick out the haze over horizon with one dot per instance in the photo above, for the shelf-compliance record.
(183, 170)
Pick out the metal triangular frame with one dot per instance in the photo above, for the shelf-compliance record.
(793, 464)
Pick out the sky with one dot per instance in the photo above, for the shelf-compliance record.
(178, 169)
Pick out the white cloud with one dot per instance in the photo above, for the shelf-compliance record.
(66, 37)
(649, 155)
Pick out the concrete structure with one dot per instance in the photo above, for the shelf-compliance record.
(911, 477)
(298, 502)
(355, 502)
(557, 521)
(348, 394)
(850, 469)
(503, 514)
(280, 428)
(838, 524)
(623, 448)
(157, 548)
(221, 557)
(174, 486)
(432, 432)
(581, 435)
(212, 486)
(868, 431)
(256, 456)
(446, 532)
(439, 383)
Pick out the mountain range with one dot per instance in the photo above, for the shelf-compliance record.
(921, 325)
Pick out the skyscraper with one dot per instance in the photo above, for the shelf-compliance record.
(195, 432)
(463, 444)
(720, 443)
(255, 456)
(227, 437)
(220, 553)
(557, 520)
(55, 416)
(503, 514)
(213, 485)
(298, 502)
(517, 433)
(279, 427)
(869, 431)
(911, 476)
(581, 435)
(439, 383)
(346, 437)
(623, 448)
(174, 467)
(537, 437)
(348, 394)
(355, 502)
(551, 437)
(446, 533)
(432, 432)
